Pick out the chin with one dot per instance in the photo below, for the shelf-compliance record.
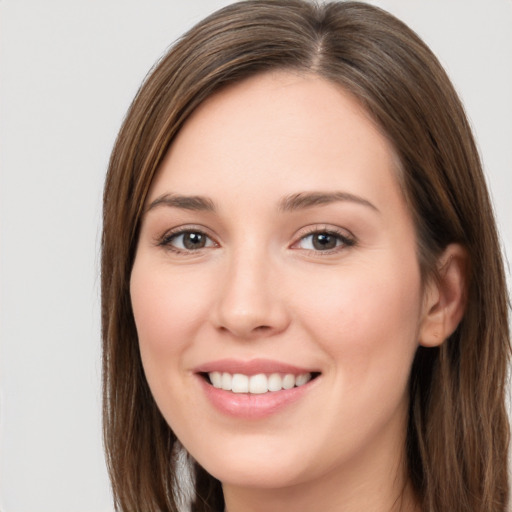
(265, 464)
(254, 474)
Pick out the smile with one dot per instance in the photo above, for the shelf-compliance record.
(254, 389)
(257, 384)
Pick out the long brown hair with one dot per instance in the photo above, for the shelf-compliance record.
(458, 430)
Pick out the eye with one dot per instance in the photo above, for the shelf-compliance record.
(324, 241)
(187, 241)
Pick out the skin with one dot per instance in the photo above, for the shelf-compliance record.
(260, 289)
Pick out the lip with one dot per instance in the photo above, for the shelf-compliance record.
(251, 367)
(252, 406)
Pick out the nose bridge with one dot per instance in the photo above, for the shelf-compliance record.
(249, 302)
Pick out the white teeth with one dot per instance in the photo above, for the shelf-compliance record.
(275, 382)
(257, 384)
(240, 383)
(288, 381)
(216, 378)
(302, 379)
(226, 381)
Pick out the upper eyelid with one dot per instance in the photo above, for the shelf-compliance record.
(180, 230)
(324, 228)
(347, 238)
(299, 235)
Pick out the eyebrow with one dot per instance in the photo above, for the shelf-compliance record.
(194, 203)
(304, 200)
(293, 202)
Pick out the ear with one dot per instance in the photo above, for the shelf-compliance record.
(444, 298)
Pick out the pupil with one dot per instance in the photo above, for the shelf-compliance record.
(324, 241)
(193, 240)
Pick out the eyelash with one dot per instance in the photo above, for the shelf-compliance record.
(166, 240)
(345, 240)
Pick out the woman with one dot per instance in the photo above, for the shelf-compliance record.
(301, 279)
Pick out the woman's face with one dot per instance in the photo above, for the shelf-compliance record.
(277, 252)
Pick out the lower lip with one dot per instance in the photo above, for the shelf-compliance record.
(253, 406)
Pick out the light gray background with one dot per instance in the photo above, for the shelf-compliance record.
(69, 69)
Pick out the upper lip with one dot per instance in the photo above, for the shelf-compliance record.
(251, 367)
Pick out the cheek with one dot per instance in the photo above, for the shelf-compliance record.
(367, 320)
(167, 308)
(168, 311)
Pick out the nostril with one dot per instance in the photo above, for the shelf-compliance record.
(247, 331)
(262, 328)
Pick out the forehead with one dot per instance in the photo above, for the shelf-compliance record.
(275, 130)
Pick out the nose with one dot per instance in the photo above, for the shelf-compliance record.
(250, 302)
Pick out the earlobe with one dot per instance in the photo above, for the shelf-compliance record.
(444, 299)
